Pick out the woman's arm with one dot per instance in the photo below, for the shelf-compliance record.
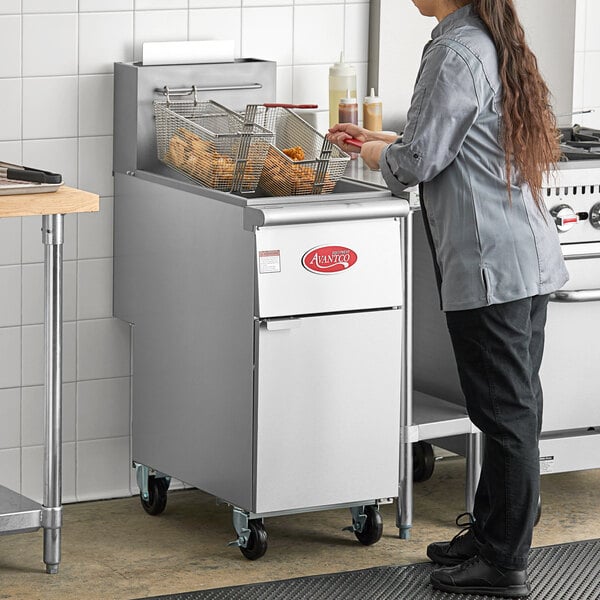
(443, 109)
(343, 131)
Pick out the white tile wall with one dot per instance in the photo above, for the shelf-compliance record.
(32, 292)
(10, 424)
(32, 414)
(49, 107)
(10, 45)
(323, 22)
(10, 7)
(11, 152)
(159, 26)
(103, 408)
(104, 38)
(95, 107)
(10, 297)
(41, 6)
(260, 38)
(56, 92)
(103, 468)
(10, 465)
(10, 351)
(10, 238)
(586, 93)
(12, 106)
(32, 353)
(94, 288)
(104, 5)
(57, 35)
(217, 24)
(95, 164)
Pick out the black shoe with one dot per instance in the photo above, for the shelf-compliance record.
(476, 576)
(460, 548)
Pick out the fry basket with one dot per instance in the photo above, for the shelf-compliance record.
(317, 173)
(211, 144)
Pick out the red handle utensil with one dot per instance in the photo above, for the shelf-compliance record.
(285, 105)
(353, 142)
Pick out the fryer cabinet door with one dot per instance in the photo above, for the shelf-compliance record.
(327, 410)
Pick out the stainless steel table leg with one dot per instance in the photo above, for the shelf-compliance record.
(52, 237)
(474, 449)
(404, 506)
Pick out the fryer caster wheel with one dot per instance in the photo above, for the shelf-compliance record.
(423, 461)
(157, 495)
(257, 542)
(373, 527)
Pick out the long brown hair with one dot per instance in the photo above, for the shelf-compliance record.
(529, 132)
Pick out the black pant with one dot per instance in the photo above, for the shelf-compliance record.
(498, 352)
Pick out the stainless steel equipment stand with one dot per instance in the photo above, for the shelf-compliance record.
(430, 417)
(422, 417)
(405, 483)
(474, 456)
(19, 514)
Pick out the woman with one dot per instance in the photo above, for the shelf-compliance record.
(478, 139)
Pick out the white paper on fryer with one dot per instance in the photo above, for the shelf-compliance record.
(182, 53)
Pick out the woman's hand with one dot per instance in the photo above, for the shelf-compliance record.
(344, 131)
(373, 142)
(370, 152)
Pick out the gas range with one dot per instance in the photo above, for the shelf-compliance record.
(572, 191)
(579, 143)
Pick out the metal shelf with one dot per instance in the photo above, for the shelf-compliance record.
(18, 514)
(436, 418)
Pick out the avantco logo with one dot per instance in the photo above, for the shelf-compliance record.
(329, 259)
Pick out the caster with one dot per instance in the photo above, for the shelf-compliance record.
(372, 528)
(423, 461)
(157, 495)
(256, 545)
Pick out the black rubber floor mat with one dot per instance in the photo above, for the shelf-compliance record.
(561, 572)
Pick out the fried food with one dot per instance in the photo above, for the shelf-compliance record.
(280, 177)
(295, 153)
(200, 159)
(286, 172)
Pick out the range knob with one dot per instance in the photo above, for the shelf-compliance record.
(595, 215)
(564, 217)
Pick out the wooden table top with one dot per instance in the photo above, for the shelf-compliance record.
(64, 200)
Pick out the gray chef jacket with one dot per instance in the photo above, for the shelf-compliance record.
(488, 249)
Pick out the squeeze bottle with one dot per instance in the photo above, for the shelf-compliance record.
(348, 109)
(342, 77)
(372, 117)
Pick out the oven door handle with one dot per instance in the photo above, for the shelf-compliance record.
(575, 296)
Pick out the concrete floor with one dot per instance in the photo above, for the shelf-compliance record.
(113, 550)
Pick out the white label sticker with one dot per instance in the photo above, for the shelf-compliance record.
(546, 464)
(269, 261)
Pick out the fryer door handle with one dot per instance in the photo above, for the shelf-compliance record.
(282, 324)
(575, 296)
